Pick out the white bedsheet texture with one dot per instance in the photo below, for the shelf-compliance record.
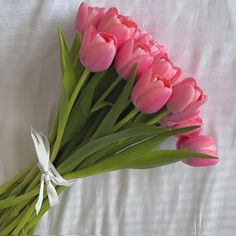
(174, 200)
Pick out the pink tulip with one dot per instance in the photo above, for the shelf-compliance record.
(163, 67)
(97, 50)
(157, 49)
(190, 122)
(150, 94)
(121, 27)
(87, 16)
(201, 144)
(186, 97)
(131, 54)
(143, 37)
(184, 102)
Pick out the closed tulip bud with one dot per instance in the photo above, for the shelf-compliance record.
(131, 54)
(186, 97)
(87, 16)
(189, 122)
(144, 37)
(157, 49)
(164, 68)
(97, 50)
(184, 102)
(201, 144)
(150, 94)
(121, 27)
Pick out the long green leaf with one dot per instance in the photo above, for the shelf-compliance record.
(162, 157)
(118, 146)
(81, 109)
(66, 65)
(74, 51)
(64, 58)
(150, 160)
(95, 145)
(64, 100)
(138, 149)
(106, 127)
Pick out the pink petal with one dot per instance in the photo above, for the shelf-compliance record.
(181, 97)
(197, 143)
(102, 56)
(141, 86)
(153, 100)
(198, 162)
(124, 54)
(81, 17)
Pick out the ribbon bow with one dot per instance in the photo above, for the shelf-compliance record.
(49, 173)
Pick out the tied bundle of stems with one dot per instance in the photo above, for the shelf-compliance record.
(96, 129)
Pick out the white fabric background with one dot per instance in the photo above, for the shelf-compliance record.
(173, 200)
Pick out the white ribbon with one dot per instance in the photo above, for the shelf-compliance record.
(49, 173)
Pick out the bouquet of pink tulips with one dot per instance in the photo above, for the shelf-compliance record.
(121, 98)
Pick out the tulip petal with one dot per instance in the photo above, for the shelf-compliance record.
(124, 54)
(81, 17)
(99, 56)
(199, 162)
(182, 96)
(121, 32)
(141, 86)
(197, 142)
(153, 100)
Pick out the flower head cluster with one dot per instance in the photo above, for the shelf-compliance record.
(109, 37)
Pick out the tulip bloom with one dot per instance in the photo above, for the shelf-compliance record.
(189, 122)
(87, 16)
(155, 47)
(163, 67)
(186, 96)
(184, 102)
(131, 54)
(97, 50)
(201, 144)
(150, 94)
(121, 27)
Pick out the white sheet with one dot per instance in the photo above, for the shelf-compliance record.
(173, 200)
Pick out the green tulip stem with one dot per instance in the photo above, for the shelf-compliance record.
(158, 117)
(11, 201)
(107, 92)
(32, 215)
(15, 179)
(128, 117)
(24, 218)
(13, 224)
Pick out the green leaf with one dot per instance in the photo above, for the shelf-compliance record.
(162, 157)
(132, 152)
(108, 79)
(64, 100)
(95, 145)
(67, 66)
(53, 129)
(66, 61)
(118, 146)
(74, 52)
(101, 105)
(137, 160)
(106, 127)
(81, 109)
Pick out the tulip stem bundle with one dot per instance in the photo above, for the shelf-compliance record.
(121, 98)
